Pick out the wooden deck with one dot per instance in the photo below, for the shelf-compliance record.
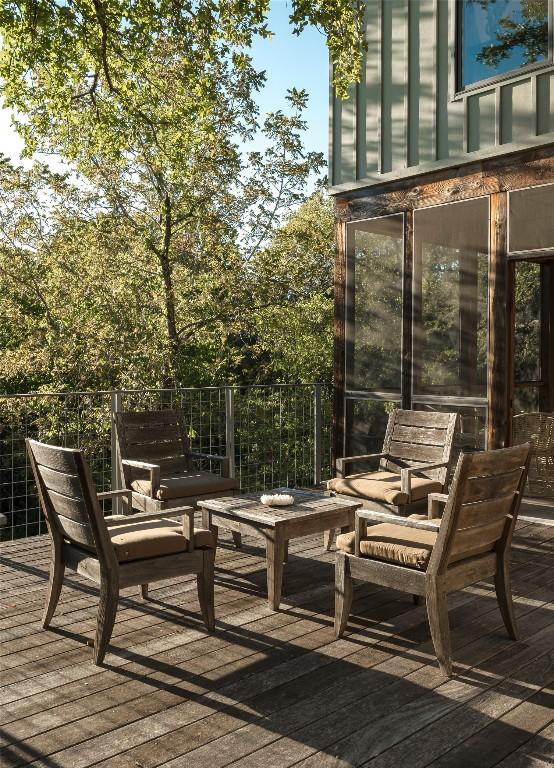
(270, 690)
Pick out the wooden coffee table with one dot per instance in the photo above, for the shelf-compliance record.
(311, 513)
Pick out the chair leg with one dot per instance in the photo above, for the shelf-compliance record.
(437, 611)
(205, 585)
(109, 595)
(144, 591)
(55, 581)
(237, 539)
(343, 594)
(215, 533)
(328, 538)
(416, 599)
(504, 597)
(286, 552)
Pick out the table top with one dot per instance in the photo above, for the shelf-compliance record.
(307, 504)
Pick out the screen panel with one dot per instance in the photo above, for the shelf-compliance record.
(374, 304)
(451, 244)
(531, 223)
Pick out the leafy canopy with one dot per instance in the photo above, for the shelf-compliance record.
(152, 103)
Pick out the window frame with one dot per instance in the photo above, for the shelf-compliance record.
(512, 74)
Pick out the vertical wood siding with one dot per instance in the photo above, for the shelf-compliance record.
(404, 117)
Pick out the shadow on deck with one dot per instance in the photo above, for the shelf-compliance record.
(272, 690)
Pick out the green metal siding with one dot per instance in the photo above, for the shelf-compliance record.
(405, 118)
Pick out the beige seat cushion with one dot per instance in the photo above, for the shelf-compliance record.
(186, 483)
(383, 486)
(394, 543)
(138, 541)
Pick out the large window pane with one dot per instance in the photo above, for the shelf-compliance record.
(366, 423)
(531, 219)
(499, 36)
(374, 304)
(450, 299)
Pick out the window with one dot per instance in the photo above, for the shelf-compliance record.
(374, 304)
(531, 224)
(451, 244)
(500, 36)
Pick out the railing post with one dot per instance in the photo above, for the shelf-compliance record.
(116, 474)
(230, 429)
(317, 434)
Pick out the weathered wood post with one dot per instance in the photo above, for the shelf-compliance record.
(116, 483)
(317, 434)
(230, 429)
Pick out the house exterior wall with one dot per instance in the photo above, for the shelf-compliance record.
(405, 118)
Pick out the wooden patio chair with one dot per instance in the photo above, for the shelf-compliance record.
(114, 552)
(432, 558)
(157, 462)
(414, 462)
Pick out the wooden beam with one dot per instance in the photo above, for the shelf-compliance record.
(486, 177)
(339, 330)
(498, 355)
(407, 272)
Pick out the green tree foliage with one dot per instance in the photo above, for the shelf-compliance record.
(294, 275)
(146, 265)
(90, 54)
(83, 301)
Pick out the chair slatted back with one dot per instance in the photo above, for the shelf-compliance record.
(68, 496)
(483, 505)
(158, 437)
(419, 437)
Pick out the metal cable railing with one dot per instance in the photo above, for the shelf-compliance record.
(275, 435)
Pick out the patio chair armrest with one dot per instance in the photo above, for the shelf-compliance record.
(434, 501)
(224, 460)
(154, 470)
(360, 530)
(135, 464)
(344, 460)
(186, 513)
(111, 494)
(370, 516)
(125, 492)
(407, 472)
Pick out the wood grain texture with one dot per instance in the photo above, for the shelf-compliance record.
(94, 556)
(498, 342)
(312, 512)
(459, 556)
(273, 689)
(339, 331)
(460, 182)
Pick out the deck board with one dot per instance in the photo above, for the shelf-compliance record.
(272, 690)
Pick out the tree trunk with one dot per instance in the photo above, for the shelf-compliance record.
(171, 374)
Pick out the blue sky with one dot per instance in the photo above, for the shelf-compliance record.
(295, 61)
(289, 61)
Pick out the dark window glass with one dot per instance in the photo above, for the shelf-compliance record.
(450, 299)
(499, 36)
(366, 424)
(374, 304)
(531, 219)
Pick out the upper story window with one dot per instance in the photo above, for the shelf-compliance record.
(497, 37)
